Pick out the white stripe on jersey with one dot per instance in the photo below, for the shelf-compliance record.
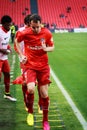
(22, 43)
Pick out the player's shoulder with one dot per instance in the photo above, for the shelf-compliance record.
(21, 28)
(1, 31)
(27, 30)
(46, 30)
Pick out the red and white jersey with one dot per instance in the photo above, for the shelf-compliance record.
(22, 42)
(37, 57)
(4, 41)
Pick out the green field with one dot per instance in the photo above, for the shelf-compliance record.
(68, 61)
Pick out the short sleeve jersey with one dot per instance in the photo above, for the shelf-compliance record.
(22, 42)
(37, 57)
(4, 41)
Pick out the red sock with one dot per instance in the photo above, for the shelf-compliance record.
(40, 98)
(45, 108)
(7, 82)
(30, 101)
(24, 89)
(40, 101)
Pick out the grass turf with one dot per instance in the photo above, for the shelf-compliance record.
(68, 62)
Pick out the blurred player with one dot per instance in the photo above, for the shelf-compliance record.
(5, 49)
(37, 42)
(20, 79)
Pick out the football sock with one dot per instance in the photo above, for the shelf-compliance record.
(45, 108)
(40, 98)
(7, 82)
(24, 90)
(30, 101)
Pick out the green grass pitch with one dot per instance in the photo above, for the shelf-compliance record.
(69, 62)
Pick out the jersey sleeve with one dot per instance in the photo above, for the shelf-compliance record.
(15, 48)
(49, 41)
(20, 36)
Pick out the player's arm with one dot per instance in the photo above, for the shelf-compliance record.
(22, 56)
(5, 51)
(15, 48)
(48, 47)
(9, 49)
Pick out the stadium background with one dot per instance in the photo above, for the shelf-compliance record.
(69, 62)
(59, 14)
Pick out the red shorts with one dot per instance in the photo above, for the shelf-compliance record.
(4, 66)
(41, 76)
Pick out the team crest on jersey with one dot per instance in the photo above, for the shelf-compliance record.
(42, 40)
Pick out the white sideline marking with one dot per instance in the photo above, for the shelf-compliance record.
(70, 101)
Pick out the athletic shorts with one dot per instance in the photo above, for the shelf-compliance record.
(41, 76)
(4, 66)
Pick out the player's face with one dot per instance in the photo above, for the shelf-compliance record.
(36, 27)
(7, 26)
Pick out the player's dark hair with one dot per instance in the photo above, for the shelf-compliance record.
(35, 18)
(6, 19)
(27, 19)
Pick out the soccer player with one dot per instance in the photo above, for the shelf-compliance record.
(37, 42)
(19, 80)
(5, 34)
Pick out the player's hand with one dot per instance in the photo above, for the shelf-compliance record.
(4, 51)
(43, 46)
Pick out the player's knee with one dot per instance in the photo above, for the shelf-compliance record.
(31, 88)
(44, 91)
(44, 94)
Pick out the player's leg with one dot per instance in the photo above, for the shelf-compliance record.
(43, 81)
(6, 72)
(24, 90)
(30, 102)
(40, 111)
(30, 78)
(1, 64)
(45, 105)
